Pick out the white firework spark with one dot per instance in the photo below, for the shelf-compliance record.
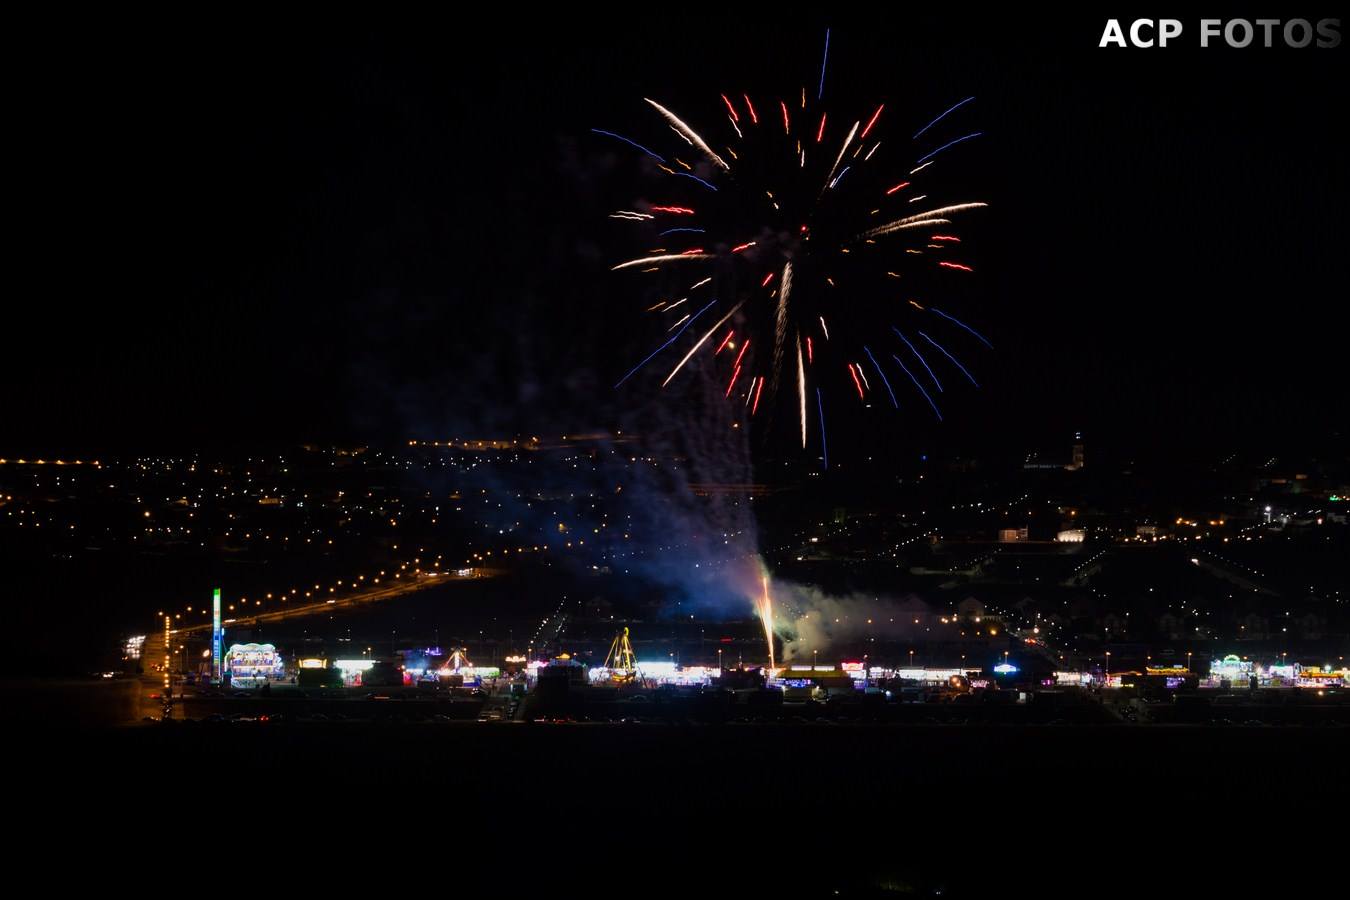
(689, 134)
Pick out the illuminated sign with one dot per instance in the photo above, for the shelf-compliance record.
(470, 672)
(168, 676)
(1005, 668)
(251, 664)
(217, 635)
(313, 663)
(354, 665)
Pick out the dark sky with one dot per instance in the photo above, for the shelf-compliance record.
(239, 232)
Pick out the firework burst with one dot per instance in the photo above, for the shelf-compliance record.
(822, 251)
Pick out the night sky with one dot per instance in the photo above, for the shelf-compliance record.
(249, 234)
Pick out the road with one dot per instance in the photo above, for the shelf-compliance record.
(326, 606)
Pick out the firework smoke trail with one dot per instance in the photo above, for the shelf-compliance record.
(780, 326)
(801, 388)
(824, 447)
(848, 140)
(956, 362)
(731, 109)
(665, 345)
(701, 341)
(647, 260)
(820, 94)
(901, 362)
(884, 380)
(930, 217)
(710, 187)
(920, 132)
(950, 144)
(872, 121)
(982, 338)
(655, 156)
(689, 134)
(920, 356)
(764, 607)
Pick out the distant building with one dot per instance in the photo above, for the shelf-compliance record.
(1012, 535)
